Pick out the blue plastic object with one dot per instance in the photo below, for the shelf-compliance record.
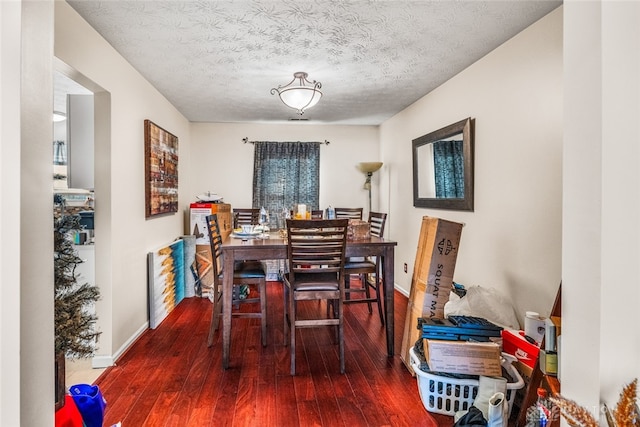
(90, 403)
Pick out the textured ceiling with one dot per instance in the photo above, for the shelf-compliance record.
(216, 61)
(62, 86)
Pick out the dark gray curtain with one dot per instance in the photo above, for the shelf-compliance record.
(449, 169)
(285, 174)
(59, 153)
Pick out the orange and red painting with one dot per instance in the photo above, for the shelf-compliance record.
(161, 170)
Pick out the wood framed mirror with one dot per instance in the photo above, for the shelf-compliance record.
(443, 167)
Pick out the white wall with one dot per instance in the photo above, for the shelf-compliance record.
(601, 233)
(36, 391)
(223, 164)
(620, 198)
(11, 33)
(120, 198)
(512, 240)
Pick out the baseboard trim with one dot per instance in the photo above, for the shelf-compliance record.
(104, 361)
(100, 362)
(401, 290)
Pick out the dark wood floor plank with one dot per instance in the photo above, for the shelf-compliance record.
(246, 401)
(304, 389)
(252, 352)
(193, 384)
(119, 409)
(287, 415)
(169, 377)
(202, 413)
(198, 371)
(319, 405)
(224, 409)
(182, 409)
(380, 370)
(266, 405)
(160, 411)
(140, 409)
(364, 397)
(332, 388)
(309, 413)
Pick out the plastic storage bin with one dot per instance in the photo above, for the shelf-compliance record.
(444, 395)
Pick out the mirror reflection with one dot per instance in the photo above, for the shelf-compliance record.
(443, 168)
(442, 171)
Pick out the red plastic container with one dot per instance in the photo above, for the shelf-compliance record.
(513, 342)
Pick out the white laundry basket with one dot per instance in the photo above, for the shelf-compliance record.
(444, 395)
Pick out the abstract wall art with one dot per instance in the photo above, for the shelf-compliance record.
(161, 170)
(166, 275)
(191, 278)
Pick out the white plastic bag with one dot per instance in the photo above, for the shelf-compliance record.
(487, 303)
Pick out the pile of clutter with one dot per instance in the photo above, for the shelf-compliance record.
(452, 340)
(475, 382)
(490, 406)
(83, 407)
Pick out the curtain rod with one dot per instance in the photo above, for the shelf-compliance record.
(246, 140)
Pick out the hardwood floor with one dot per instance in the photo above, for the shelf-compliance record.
(170, 378)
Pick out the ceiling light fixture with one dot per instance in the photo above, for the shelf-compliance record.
(299, 95)
(59, 117)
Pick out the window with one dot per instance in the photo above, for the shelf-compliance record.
(285, 174)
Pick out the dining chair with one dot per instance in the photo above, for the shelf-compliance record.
(245, 216)
(317, 214)
(349, 213)
(316, 255)
(369, 270)
(249, 273)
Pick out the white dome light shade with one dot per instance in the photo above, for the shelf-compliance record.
(300, 98)
(299, 95)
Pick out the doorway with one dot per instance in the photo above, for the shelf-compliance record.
(82, 165)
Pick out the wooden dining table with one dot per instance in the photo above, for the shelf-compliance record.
(275, 247)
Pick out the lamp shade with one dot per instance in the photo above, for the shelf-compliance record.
(300, 97)
(299, 93)
(369, 167)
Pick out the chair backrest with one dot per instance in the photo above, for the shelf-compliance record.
(316, 246)
(348, 213)
(317, 214)
(376, 223)
(245, 216)
(215, 240)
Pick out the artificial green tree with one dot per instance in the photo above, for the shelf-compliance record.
(75, 322)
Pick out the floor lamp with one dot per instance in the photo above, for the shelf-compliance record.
(369, 168)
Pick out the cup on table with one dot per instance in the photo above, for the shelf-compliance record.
(247, 228)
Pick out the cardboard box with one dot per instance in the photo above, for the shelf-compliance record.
(198, 220)
(432, 277)
(524, 370)
(198, 213)
(513, 342)
(463, 357)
